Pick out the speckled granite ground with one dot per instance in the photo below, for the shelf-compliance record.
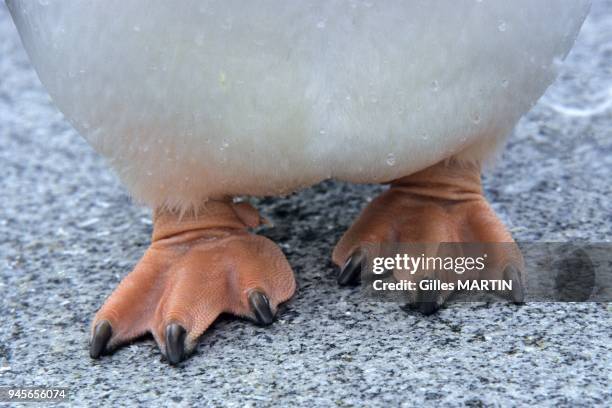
(68, 233)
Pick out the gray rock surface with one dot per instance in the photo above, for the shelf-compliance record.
(69, 232)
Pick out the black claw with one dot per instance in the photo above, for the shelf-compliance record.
(512, 274)
(350, 274)
(100, 338)
(175, 343)
(428, 302)
(260, 305)
(428, 308)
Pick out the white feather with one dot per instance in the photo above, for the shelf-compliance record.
(196, 99)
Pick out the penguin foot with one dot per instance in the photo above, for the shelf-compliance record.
(441, 204)
(196, 268)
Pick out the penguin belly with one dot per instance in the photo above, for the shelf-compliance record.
(193, 100)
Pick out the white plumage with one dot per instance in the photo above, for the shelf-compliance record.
(196, 99)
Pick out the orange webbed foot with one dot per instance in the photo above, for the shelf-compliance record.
(441, 204)
(197, 267)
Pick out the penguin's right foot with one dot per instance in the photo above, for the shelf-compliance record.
(196, 268)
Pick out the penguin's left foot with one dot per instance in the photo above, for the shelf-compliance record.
(441, 204)
(196, 268)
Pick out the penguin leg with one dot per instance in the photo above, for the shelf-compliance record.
(444, 203)
(197, 267)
